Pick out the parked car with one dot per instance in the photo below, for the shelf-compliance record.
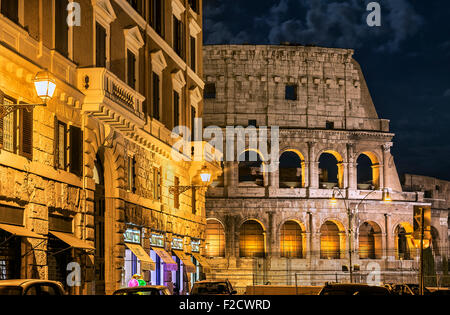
(31, 287)
(353, 289)
(144, 290)
(213, 287)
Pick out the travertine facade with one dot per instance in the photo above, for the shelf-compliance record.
(116, 74)
(319, 99)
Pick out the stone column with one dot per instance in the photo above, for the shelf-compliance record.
(351, 168)
(305, 177)
(386, 157)
(275, 175)
(313, 166)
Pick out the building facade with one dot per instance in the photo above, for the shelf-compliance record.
(89, 178)
(291, 225)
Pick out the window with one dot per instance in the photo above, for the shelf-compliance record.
(210, 91)
(194, 5)
(176, 109)
(76, 151)
(291, 240)
(16, 131)
(194, 201)
(178, 36)
(215, 239)
(329, 125)
(252, 122)
(10, 9)
(156, 97)
(100, 47)
(157, 184)
(157, 16)
(193, 54)
(61, 27)
(60, 145)
(193, 116)
(251, 240)
(291, 92)
(131, 69)
(176, 198)
(137, 5)
(131, 174)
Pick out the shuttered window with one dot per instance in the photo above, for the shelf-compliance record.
(156, 97)
(178, 36)
(26, 133)
(10, 9)
(193, 54)
(131, 176)
(176, 109)
(100, 46)
(9, 127)
(61, 27)
(60, 153)
(157, 184)
(176, 197)
(76, 150)
(131, 68)
(157, 16)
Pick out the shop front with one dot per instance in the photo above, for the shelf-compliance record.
(201, 265)
(164, 262)
(181, 277)
(137, 261)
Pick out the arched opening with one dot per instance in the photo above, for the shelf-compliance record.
(291, 170)
(291, 240)
(251, 240)
(331, 170)
(251, 169)
(369, 241)
(403, 246)
(368, 171)
(331, 241)
(215, 239)
(99, 226)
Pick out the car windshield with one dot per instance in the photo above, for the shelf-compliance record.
(210, 288)
(10, 290)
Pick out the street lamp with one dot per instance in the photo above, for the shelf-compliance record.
(44, 85)
(350, 215)
(205, 176)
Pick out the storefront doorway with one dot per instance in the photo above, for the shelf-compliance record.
(99, 223)
(10, 260)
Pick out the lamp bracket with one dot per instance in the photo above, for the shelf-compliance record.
(178, 190)
(6, 109)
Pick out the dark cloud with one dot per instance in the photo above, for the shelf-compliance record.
(335, 23)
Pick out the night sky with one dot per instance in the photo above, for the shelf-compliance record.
(406, 61)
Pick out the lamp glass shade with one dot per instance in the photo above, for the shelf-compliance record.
(205, 176)
(45, 86)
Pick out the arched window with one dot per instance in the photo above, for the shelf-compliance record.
(215, 239)
(251, 169)
(291, 240)
(290, 170)
(402, 244)
(331, 170)
(251, 240)
(368, 172)
(369, 241)
(330, 241)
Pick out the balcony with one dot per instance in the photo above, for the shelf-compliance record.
(110, 99)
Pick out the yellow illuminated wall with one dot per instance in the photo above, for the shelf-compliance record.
(329, 241)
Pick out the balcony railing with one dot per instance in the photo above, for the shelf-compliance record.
(107, 95)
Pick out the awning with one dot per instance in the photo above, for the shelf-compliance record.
(72, 241)
(146, 262)
(202, 261)
(188, 265)
(20, 231)
(170, 264)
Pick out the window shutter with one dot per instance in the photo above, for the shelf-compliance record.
(26, 135)
(1, 120)
(76, 151)
(55, 143)
(61, 27)
(131, 69)
(100, 46)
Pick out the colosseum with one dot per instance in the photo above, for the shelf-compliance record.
(334, 210)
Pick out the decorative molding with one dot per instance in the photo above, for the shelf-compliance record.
(178, 9)
(178, 80)
(158, 62)
(194, 28)
(104, 12)
(134, 39)
(195, 96)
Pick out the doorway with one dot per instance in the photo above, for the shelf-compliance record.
(99, 229)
